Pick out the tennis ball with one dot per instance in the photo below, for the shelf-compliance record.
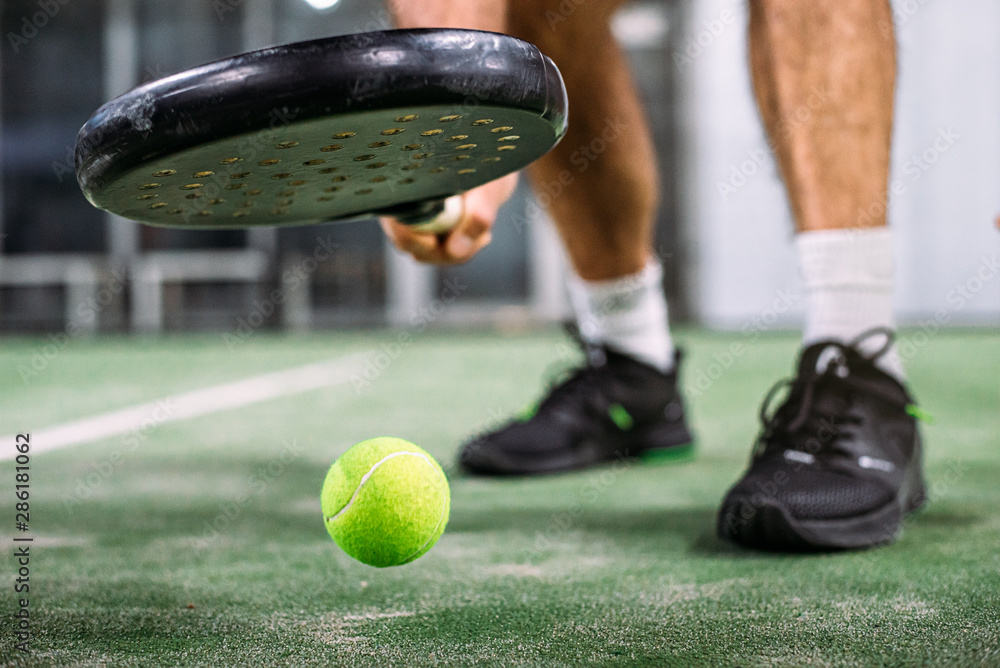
(385, 501)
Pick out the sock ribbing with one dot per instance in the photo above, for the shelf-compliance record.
(628, 314)
(849, 278)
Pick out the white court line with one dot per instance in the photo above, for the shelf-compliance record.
(193, 404)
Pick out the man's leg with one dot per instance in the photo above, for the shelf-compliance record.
(605, 167)
(600, 186)
(600, 183)
(824, 74)
(839, 461)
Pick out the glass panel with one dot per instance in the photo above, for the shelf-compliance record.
(51, 78)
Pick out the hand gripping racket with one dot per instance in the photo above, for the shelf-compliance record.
(389, 122)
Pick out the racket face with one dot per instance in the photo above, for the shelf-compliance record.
(325, 130)
(329, 168)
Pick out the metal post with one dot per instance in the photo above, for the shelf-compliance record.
(546, 269)
(409, 286)
(121, 66)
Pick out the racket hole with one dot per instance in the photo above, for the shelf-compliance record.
(286, 144)
(331, 189)
(328, 170)
(413, 147)
(216, 201)
(269, 162)
(282, 175)
(422, 156)
(458, 137)
(493, 159)
(470, 170)
(240, 175)
(344, 135)
(362, 158)
(312, 163)
(430, 133)
(157, 205)
(450, 118)
(363, 191)
(482, 121)
(286, 193)
(338, 179)
(246, 204)
(279, 212)
(201, 175)
(145, 197)
(439, 170)
(193, 196)
(325, 198)
(230, 161)
(285, 202)
(236, 186)
(332, 147)
(192, 186)
(164, 172)
(509, 138)
(300, 182)
(466, 147)
(407, 118)
(254, 192)
(379, 144)
(376, 165)
(174, 212)
(407, 181)
(393, 131)
(461, 157)
(378, 179)
(508, 147)
(502, 128)
(240, 214)
(411, 166)
(204, 213)
(149, 186)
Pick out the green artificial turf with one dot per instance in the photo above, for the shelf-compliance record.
(614, 566)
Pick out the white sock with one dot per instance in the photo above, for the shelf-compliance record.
(848, 276)
(628, 314)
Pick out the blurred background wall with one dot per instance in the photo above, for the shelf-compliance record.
(723, 229)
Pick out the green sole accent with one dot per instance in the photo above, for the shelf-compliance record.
(681, 453)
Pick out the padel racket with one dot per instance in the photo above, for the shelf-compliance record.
(389, 122)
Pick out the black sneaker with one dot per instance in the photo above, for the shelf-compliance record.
(614, 407)
(837, 465)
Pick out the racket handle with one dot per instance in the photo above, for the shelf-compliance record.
(449, 216)
(432, 217)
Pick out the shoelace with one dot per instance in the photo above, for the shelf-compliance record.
(567, 386)
(805, 388)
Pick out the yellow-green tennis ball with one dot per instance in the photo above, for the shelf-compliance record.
(385, 501)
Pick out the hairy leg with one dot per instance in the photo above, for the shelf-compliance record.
(604, 169)
(601, 180)
(824, 72)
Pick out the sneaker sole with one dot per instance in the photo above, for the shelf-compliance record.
(661, 443)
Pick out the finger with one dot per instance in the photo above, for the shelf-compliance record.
(474, 230)
(470, 235)
(422, 246)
